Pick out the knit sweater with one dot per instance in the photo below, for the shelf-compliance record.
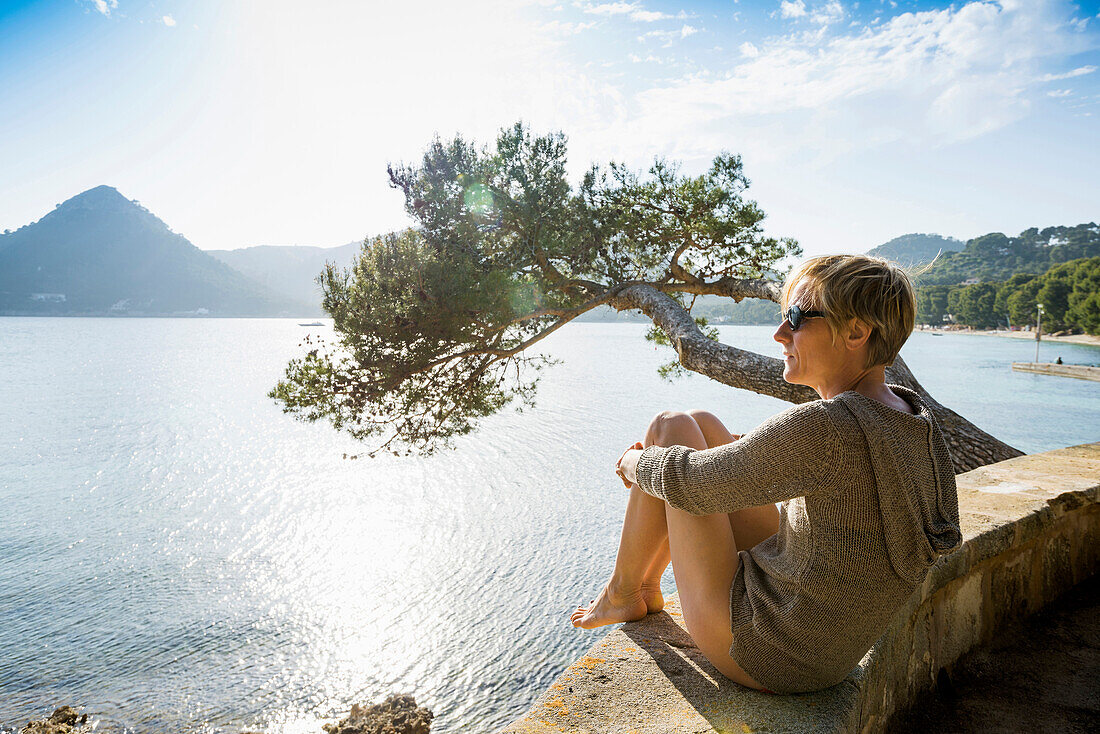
(869, 502)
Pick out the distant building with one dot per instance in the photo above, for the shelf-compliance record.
(971, 281)
(48, 297)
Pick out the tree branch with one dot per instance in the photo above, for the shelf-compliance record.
(678, 270)
(970, 446)
(721, 362)
(564, 317)
(735, 288)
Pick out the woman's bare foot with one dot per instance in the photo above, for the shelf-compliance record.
(653, 598)
(610, 608)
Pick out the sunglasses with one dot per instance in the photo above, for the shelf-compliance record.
(795, 316)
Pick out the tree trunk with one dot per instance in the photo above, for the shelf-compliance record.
(970, 446)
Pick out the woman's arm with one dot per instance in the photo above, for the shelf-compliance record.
(790, 455)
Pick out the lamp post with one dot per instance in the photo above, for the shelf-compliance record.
(1038, 331)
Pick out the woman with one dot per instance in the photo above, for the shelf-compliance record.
(790, 600)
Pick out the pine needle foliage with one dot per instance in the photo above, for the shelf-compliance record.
(434, 324)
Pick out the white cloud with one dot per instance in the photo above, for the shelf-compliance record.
(567, 28)
(105, 6)
(796, 9)
(169, 21)
(634, 10)
(610, 8)
(669, 36)
(929, 78)
(830, 12)
(1060, 93)
(1079, 71)
(790, 105)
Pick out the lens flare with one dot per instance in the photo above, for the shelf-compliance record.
(480, 203)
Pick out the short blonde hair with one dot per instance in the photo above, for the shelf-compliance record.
(871, 289)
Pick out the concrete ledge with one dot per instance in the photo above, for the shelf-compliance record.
(1031, 529)
(1080, 371)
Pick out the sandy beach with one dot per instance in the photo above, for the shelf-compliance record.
(1088, 339)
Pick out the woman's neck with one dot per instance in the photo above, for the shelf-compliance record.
(870, 382)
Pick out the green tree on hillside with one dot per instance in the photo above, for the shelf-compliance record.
(1084, 299)
(1002, 307)
(1068, 293)
(973, 305)
(932, 307)
(436, 326)
(1054, 295)
(1022, 302)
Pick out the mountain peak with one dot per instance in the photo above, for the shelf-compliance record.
(101, 253)
(101, 201)
(916, 249)
(96, 197)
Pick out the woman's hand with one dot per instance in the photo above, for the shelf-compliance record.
(627, 465)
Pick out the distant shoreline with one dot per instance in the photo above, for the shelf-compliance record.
(1086, 339)
(120, 316)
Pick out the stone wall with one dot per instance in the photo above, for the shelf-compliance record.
(1031, 529)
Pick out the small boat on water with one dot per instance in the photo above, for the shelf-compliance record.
(312, 323)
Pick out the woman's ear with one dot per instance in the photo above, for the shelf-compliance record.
(858, 332)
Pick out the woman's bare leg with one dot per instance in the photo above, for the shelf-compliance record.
(750, 525)
(644, 551)
(703, 551)
(635, 586)
(704, 561)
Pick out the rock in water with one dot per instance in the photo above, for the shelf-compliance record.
(398, 714)
(64, 720)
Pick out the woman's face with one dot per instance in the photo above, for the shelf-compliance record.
(809, 355)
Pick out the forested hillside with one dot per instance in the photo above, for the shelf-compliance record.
(998, 281)
(997, 257)
(1069, 292)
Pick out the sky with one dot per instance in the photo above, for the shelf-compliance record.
(241, 123)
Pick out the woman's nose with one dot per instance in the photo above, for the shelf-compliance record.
(783, 333)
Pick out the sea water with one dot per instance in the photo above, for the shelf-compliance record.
(176, 554)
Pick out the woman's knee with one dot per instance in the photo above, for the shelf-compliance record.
(713, 429)
(698, 414)
(673, 427)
